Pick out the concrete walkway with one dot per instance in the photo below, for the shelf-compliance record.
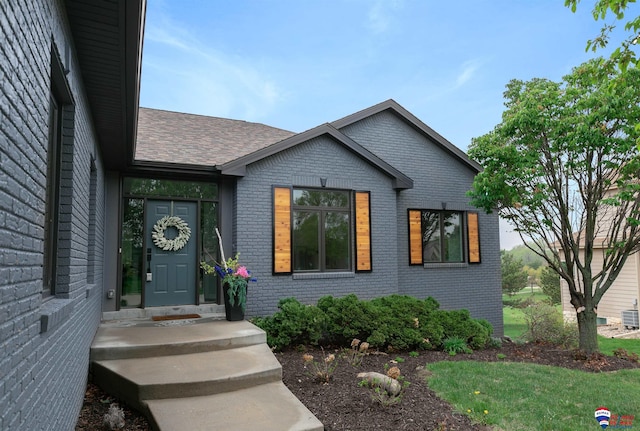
(197, 374)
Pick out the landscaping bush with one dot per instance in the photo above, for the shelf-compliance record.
(404, 323)
(348, 318)
(394, 322)
(460, 324)
(546, 325)
(293, 325)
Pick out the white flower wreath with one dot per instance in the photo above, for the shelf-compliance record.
(184, 232)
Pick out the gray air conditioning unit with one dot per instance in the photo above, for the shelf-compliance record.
(630, 319)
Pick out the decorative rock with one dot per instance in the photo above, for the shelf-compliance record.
(374, 379)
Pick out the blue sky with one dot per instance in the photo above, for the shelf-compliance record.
(295, 64)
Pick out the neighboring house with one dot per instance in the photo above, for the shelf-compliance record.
(622, 297)
(372, 204)
(69, 74)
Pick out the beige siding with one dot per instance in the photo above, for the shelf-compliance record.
(623, 293)
(620, 296)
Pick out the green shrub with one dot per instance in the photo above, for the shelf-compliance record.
(403, 322)
(495, 342)
(546, 325)
(460, 324)
(455, 345)
(348, 318)
(392, 322)
(294, 324)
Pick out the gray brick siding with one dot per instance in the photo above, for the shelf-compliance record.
(304, 165)
(438, 177)
(44, 340)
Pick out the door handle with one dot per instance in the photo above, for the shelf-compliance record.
(149, 265)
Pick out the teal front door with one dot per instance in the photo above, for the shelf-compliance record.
(171, 238)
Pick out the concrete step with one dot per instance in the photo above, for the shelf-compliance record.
(187, 375)
(151, 339)
(267, 407)
(197, 374)
(146, 313)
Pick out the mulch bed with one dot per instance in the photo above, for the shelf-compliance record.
(342, 404)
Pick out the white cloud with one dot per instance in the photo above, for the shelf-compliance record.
(469, 68)
(183, 72)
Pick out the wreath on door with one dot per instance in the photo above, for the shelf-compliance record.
(175, 244)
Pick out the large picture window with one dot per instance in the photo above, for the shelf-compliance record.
(442, 236)
(321, 230)
(439, 237)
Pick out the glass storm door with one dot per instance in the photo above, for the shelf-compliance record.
(171, 273)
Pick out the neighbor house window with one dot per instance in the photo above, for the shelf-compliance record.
(314, 230)
(438, 236)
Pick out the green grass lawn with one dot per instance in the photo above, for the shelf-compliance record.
(608, 345)
(519, 396)
(525, 293)
(515, 326)
(514, 323)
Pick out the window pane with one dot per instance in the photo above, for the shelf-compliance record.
(306, 251)
(209, 252)
(321, 198)
(431, 236)
(132, 253)
(336, 240)
(452, 237)
(52, 197)
(169, 188)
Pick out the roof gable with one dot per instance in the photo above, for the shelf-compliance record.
(238, 167)
(393, 106)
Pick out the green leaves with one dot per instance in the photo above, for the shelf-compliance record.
(624, 55)
(563, 167)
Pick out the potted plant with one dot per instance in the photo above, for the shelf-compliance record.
(235, 279)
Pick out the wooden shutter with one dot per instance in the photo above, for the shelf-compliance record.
(363, 231)
(473, 237)
(282, 230)
(415, 237)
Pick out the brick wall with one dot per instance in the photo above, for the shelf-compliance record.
(44, 340)
(304, 165)
(438, 177)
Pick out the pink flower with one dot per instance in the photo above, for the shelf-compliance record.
(242, 272)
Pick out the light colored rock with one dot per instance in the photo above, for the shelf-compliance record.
(374, 379)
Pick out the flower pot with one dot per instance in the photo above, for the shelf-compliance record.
(233, 312)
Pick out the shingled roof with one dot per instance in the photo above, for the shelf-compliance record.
(175, 137)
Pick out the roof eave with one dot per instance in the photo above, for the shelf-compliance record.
(113, 101)
(238, 167)
(412, 120)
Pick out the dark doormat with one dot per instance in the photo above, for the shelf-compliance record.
(176, 317)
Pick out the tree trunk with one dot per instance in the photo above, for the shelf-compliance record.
(588, 331)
